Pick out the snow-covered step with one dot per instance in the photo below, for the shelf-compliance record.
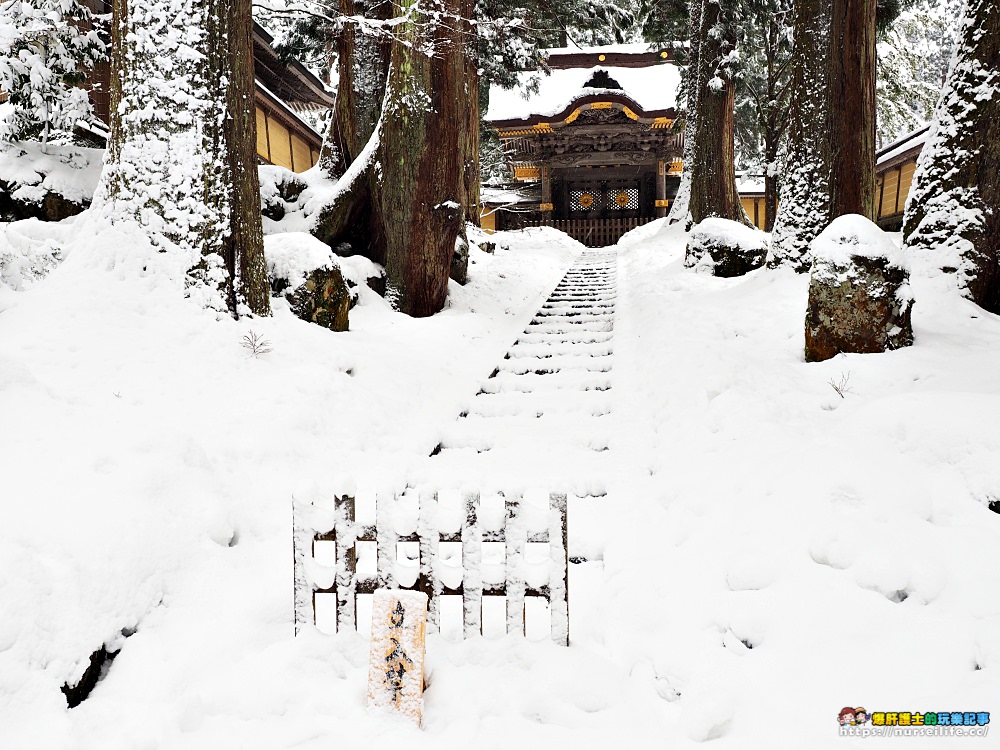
(577, 338)
(551, 349)
(553, 365)
(594, 403)
(561, 380)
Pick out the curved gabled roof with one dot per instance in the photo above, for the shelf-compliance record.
(649, 92)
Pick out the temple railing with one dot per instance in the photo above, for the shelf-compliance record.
(592, 232)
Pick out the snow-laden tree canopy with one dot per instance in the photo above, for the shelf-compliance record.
(45, 48)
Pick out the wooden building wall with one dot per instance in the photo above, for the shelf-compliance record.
(892, 187)
(281, 143)
(754, 207)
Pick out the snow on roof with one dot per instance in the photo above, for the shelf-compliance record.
(916, 138)
(631, 48)
(750, 183)
(652, 88)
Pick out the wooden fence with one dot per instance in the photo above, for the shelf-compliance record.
(343, 581)
(593, 232)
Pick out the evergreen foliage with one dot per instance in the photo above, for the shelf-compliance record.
(46, 47)
(913, 56)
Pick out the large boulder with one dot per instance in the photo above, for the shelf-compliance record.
(859, 292)
(725, 248)
(323, 299)
(319, 286)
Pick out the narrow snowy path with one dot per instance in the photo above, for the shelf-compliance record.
(544, 412)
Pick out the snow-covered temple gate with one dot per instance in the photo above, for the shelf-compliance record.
(596, 142)
(516, 531)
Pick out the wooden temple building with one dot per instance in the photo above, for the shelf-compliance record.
(283, 91)
(594, 149)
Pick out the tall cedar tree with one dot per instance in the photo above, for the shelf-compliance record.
(401, 105)
(181, 159)
(831, 148)
(852, 108)
(420, 186)
(681, 208)
(713, 167)
(764, 90)
(954, 208)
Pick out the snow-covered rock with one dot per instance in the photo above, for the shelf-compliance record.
(725, 248)
(859, 292)
(50, 186)
(319, 286)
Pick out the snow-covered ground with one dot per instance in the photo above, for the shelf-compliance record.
(766, 552)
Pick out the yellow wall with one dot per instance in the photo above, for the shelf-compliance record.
(282, 148)
(905, 183)
(748, 206)
(488, 220)
(262, 148)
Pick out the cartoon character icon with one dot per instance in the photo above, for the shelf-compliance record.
(846, 716)
(860, 715)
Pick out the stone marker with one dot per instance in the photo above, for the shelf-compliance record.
(396, 661)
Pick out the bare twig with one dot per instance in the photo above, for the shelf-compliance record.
(841, 386)
(256, 344)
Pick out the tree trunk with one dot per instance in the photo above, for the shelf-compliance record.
(681, 209)
(852, 108)
(713, 171)
(419, 194)
(182, 144)
(954, 206)
(470, 127)
(246, 240)
(804, 210)
(362, 65)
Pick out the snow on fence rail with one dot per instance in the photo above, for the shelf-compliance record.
(516, 531)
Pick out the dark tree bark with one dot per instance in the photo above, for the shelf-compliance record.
(713, 171)
(852, 108)
(469, 57)
(362, 66)
(409, 213)
(954, 207)
(831, 154)
(245, 244)
(420, 191)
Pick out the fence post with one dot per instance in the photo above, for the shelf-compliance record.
(347, 578)
(515, 536)
(302, 540)
(385, 544)
(472, 568)
(559, 570)
(430, 540)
